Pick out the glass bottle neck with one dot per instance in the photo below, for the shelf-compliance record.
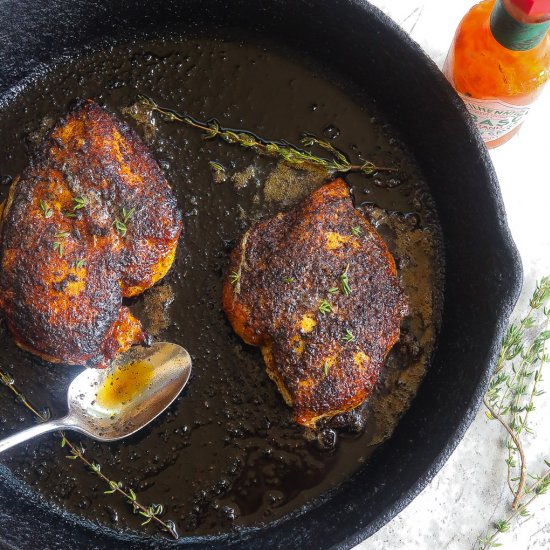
(513, 34)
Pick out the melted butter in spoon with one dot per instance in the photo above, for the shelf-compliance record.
(125, 383)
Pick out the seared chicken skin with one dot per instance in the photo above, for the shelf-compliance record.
(317, 289)
(91, 220)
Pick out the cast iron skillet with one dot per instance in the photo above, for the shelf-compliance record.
(483, 269)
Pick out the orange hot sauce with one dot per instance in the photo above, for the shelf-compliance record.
(498, 63)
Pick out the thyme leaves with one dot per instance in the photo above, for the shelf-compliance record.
(348, 336)
(216, 166)
(325, 307)
(344, 282)
(120, 224)
(79, 202)
(46, 210)
(59, 242)
(127, 214)
(120, 227)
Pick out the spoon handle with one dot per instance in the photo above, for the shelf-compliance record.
(51, 426)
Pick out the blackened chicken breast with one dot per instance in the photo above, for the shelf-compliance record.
(317, 290)
(91, 220)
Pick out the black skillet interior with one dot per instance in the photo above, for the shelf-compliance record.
(483, 271)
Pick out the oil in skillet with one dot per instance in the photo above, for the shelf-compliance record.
(122, 385)
(227, 455)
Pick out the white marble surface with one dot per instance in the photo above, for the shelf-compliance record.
(470, 491)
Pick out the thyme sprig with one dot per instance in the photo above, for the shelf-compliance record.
(282, 149)
(9, 382)
(77, 451)
(152, 512)
(510, 398)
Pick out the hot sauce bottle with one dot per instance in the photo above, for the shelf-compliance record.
(498, 63)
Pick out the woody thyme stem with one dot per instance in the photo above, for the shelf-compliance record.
(289, 153)
(151, 513)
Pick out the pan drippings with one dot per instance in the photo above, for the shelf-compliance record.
(227, 453)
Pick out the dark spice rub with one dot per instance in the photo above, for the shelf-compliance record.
(317, 289)
(91, 220)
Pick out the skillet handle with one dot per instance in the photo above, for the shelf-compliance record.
(25, 435)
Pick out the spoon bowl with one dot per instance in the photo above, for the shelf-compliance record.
(116, 402)
(137, 388)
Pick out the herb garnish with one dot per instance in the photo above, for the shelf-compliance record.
(510, 398)
(76, 451)
(216, 166)
(127, 214)
(234, 277)
(46, 210)
(120, 226)
(325, 307)
(356, 231)
(348, 336)
(59, 243)
(326, 367)
(79, 202)
(289, 280)
(344, 281)
(150, 513)
(334, 290)
(219, 175)
(289, 153)
(80, 262)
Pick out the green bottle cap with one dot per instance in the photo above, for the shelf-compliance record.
(513, 34)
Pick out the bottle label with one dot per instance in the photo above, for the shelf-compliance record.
(494, 118)
(514, 34)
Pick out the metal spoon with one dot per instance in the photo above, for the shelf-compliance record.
(167, 367)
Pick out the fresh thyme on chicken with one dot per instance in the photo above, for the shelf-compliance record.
(316, 289)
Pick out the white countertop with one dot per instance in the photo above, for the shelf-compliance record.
(470, 490)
